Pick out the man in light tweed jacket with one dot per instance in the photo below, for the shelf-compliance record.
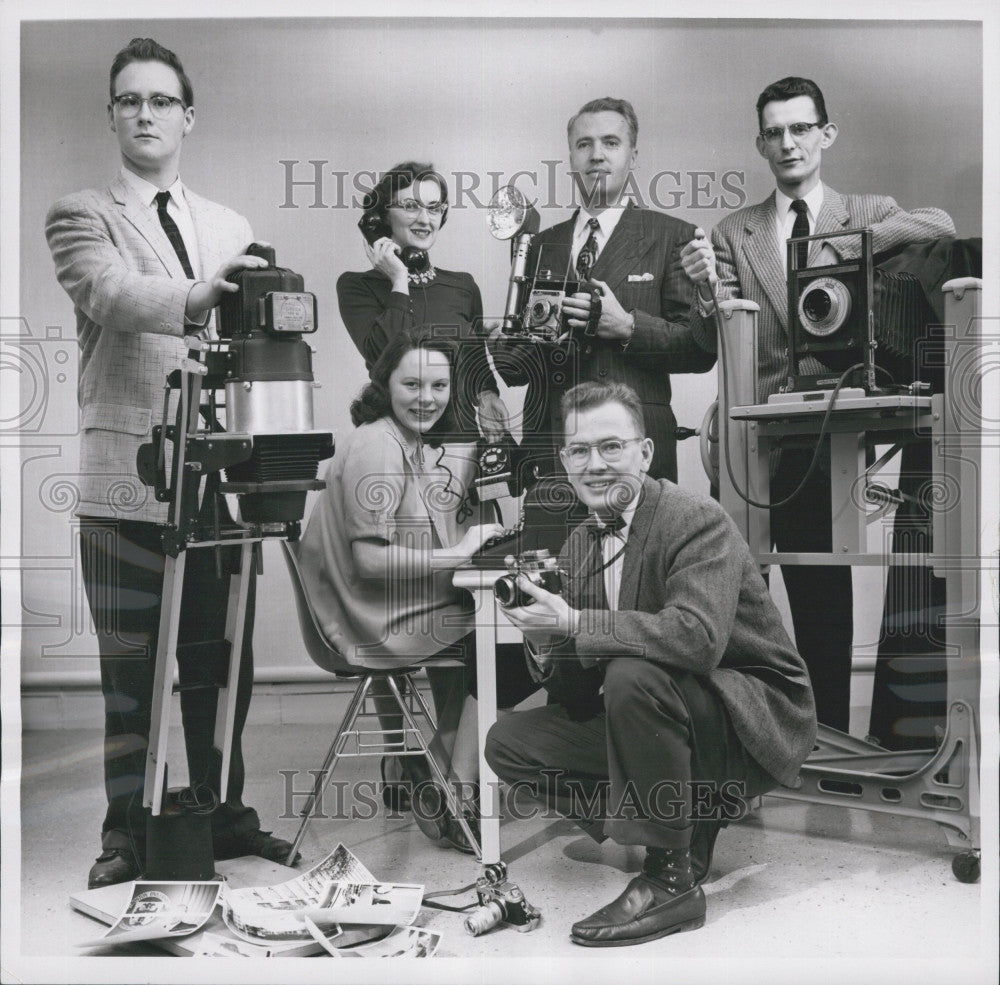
(747, 259)
(136, 296)
(675, 691)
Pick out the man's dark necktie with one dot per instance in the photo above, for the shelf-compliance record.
(585, 261)
(173, 233)
(801, 228)
(592, 593)
(580, 690)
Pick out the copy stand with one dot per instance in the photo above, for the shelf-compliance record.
(196, 523)
(941, 784)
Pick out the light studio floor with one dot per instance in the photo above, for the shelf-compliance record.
(795, 890)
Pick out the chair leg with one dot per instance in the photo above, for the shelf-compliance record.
(330, 762)
(451, 799)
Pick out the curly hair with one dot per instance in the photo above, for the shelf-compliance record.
(374, 401)
(398, 177)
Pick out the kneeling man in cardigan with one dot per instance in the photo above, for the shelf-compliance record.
(675, 692)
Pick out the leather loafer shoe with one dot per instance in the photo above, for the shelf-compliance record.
(644, 912)
(112, 867)
(260, 843)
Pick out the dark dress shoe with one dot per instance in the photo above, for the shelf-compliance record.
(644, 912)
(430, 811)
(663, 899)
(112, 867)
(260, 843)
(455, 837)
(433, 818)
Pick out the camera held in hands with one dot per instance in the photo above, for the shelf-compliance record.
(534, 307)
(539, 567)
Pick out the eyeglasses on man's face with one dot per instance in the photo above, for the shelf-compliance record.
(774, 135)
(160, 104)
(610, 450)
(412, 207)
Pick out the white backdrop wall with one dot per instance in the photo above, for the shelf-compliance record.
(474, 97)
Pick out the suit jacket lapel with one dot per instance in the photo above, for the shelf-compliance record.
(209, 257)
(642, 525)
(147, 224)
(627, 243)
(833, 216)
(761, 247)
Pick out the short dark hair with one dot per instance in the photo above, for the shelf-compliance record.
(608, 104)
(588, 395)
(374, 402)
(788, 88)
(148, 50)
(397, 178)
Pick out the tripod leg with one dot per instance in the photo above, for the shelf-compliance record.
(163, 683)
(236, 617)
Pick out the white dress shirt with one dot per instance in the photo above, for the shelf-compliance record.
(786, 217)
(608, 219)
(177, 209)
(613, 548)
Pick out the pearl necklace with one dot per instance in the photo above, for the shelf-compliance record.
(423, 276)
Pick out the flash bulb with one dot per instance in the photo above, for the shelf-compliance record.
(508, 213)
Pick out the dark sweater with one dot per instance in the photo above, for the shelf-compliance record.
(451, 304)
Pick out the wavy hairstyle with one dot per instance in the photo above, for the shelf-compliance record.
(374, 402)
(148, 50)
(393, 181)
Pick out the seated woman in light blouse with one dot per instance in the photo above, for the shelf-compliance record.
(383, 539)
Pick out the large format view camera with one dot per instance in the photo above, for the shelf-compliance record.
(268, 449)
(852, 314)
(534, 297)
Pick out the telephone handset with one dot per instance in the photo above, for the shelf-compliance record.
(373, 228)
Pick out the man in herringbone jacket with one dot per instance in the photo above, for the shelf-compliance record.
(747, 259)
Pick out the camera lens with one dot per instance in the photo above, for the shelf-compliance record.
(484, 918)
(824, 306)
(505, 589)
(540, 311)
(817, 305)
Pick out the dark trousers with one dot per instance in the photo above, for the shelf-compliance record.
(123, 566)
(660, 757)
(909, 696)
(820, 596)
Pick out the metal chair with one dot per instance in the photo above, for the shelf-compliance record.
(351, 740)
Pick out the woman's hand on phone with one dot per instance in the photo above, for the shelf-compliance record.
(384, 257)
(475, 537)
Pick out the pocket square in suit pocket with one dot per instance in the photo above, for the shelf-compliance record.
(639, 278)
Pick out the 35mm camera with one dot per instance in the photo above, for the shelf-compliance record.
(539, 567)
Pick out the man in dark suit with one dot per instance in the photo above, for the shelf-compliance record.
(746, 259)
(632, 255)
(145, 261)
(676, 691)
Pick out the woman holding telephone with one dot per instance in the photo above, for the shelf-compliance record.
(403, 214)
